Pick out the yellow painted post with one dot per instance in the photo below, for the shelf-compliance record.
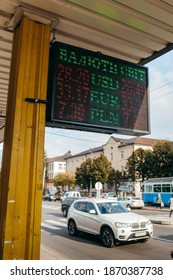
(22, 164)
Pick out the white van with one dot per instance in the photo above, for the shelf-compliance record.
(71, 194)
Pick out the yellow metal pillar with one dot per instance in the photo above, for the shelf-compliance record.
(22, 164)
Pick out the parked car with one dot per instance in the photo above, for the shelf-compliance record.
(66, 203)
(132, 202)
(49, 197)
(110, 195)
(70, 194)
(109, 219)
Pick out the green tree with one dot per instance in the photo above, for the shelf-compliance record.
(64, 179)
(162, 158)
(139, 164)
(116, 177)
(158, 162)
(83, 174)
(92, 171)
(101, 169)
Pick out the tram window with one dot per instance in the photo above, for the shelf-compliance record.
(148, 188)
(157, 188)
(165, 189)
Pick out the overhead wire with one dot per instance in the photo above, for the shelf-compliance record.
(166, 93)
(76, 138)
(162, 86)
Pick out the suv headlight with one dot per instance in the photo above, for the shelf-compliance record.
(148, 222)
(122, 225)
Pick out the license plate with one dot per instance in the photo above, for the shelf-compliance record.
(140, 233)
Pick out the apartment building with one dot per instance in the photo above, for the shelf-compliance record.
(75, 161)
(117, 151)
(54, 166)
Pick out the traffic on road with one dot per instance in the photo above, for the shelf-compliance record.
(56, 243)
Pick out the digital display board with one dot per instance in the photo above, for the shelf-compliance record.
(91, 91)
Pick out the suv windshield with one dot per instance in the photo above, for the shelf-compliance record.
(111, 208)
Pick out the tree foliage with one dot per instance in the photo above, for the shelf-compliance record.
(139, 164)
(116, 177)
(83, 174)
(163, 159)
(158, 162)
(64, 179)
(92, 171)
(101, 169)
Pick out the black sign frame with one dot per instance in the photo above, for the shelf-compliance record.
(90, 91)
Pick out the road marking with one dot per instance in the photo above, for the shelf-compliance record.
(63, 219)
(162, 239)
(50, 227)
(55, 223)
(51, 207)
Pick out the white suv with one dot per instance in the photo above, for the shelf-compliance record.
(109, 219)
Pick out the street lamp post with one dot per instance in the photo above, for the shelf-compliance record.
(88, 168)
(90, 187)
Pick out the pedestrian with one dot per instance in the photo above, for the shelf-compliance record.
(171, 206)
(159, 200)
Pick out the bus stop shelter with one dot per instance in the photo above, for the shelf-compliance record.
(135, 31)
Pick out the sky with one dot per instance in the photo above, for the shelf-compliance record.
(58, 141)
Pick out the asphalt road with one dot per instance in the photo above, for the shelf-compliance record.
(56, 244)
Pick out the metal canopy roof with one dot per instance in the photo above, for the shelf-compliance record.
(133, 30)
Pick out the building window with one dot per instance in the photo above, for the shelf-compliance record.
(122, 154)
(60, 166)
(50, 166)
(112, 156)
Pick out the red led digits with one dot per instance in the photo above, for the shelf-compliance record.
(134, 105)
(72, 88)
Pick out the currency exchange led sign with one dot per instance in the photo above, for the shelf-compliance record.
(95, 92)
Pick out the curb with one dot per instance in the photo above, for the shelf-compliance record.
(156, 209)
(161, 222)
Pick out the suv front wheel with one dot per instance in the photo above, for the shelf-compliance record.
(72, 228)
(107, 237)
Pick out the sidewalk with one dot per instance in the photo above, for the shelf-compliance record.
(161, 217)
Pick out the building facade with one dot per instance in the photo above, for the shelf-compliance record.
(75, 161)
(53, 167)
(117, 151)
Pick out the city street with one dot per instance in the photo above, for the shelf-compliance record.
(57, 244)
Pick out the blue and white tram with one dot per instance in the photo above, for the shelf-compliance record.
(153, 187)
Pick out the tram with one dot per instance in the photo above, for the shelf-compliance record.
(153, 187)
